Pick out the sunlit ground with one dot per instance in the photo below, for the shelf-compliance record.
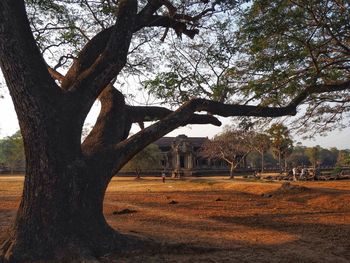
(214, 219)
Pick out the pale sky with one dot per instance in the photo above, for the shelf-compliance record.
(339, 139)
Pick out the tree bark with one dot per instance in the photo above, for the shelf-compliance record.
(61, 213)
(60, 216)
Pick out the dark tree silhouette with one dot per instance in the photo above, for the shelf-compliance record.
(60, 216)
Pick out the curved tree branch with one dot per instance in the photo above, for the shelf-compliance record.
(113, 123)
(55, 74)
(98, 43)
(318, 89)
(20, 54)
(128, 148)
(139, 114)
(169, 22)
(96, 46)
(87, 56)
(184, 114)
(91, 81)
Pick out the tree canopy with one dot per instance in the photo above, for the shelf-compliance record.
(258, 52)
(270, 53)
(295, 48)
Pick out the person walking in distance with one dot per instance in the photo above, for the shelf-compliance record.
(294, 170)
(163, 177)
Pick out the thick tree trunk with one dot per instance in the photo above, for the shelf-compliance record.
(61, 216)
(262, 162)
(61, 212)
(61, 204)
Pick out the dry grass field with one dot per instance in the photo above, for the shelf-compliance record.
(219, 220)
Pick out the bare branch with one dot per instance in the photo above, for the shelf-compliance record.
(25, 58)
(140, 114)
(184, 114)
(63, 60)
(228, 110)
(55, 74)
(317, 89)
(169, 22)
(91, 81)
(93, 14)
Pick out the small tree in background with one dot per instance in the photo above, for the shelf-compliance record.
(148, 159)
(281, 142)
(261, 143)
(328, 157)
(298, 156)
(231, 146)
(343, 158)
(314, 155)
(12, 152)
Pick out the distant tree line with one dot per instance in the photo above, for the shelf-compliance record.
(12, 153)
(305, 156)
(12, 158)
(271, 149)
(148, 159)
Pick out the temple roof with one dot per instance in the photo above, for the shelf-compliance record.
(167, 141)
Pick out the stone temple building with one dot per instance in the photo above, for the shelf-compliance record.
(181, 157)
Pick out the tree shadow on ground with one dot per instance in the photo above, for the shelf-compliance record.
(314, 239)
(304, 249)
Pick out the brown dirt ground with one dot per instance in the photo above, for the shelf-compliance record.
(219, 220)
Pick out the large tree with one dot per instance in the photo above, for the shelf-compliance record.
(61, 210)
